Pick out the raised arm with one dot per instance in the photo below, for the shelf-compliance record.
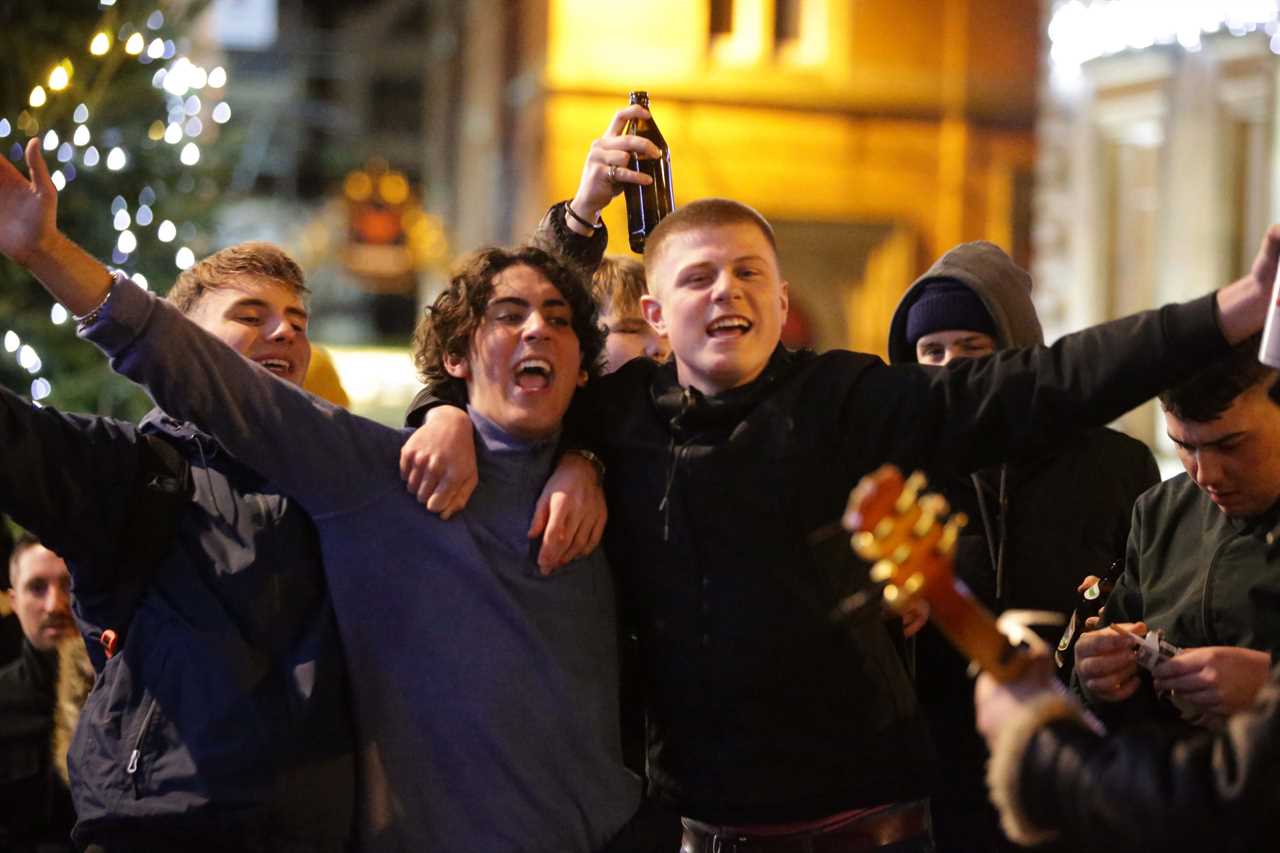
(573, 228)
(29, 235)
(976, 412)
(321, 455)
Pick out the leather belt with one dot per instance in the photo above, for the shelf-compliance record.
(892, 825)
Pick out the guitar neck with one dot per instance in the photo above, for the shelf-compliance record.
(972, 629)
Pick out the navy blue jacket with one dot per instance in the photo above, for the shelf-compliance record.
(224, 712)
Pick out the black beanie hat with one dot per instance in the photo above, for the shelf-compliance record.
(946, 305)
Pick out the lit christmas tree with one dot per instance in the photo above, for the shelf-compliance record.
(127, 120)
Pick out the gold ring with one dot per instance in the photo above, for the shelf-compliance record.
(613, 173)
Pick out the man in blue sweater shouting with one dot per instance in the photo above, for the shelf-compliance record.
(485, 692)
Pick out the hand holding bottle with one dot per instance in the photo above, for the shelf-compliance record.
(606, 170)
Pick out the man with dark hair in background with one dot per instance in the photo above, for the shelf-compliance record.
(1202, 564)
(35, 806)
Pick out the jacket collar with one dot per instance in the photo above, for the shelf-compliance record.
(688, 410)
(156, 421)
(199, 447)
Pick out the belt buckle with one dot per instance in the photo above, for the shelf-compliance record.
(719, 845)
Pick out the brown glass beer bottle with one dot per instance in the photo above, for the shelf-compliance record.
(646, 205)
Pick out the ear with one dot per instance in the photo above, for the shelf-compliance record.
(651, 308)
(458, 368)
(583, 376)
(785, 297)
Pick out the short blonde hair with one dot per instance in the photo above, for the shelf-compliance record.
(704, 213)
(618, 284)
(255, 259)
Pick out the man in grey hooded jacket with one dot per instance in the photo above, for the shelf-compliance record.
(1037, 527)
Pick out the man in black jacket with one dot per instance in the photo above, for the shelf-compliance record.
(35, 807)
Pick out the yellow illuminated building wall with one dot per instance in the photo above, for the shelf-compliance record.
(874, 134)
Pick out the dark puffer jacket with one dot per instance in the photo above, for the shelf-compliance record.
(1036, 528)
(1143, 790)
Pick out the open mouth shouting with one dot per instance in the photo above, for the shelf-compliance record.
(279, 366)
(533, 374)
(730, 326)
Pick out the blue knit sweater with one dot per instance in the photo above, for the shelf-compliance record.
(485, 694)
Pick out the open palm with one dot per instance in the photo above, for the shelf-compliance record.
(28, 208)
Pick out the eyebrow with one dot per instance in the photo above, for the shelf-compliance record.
(254, 302)
(1217, 441)
(553, 302)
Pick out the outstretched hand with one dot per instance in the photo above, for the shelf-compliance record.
(606, 168)
(28, 208)
(1243, 304)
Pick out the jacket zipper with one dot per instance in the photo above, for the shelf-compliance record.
(132, 768)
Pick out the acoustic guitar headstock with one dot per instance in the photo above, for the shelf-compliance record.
(904, 533)
(911, 540)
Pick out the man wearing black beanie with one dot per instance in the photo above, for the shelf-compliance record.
(1036, 527)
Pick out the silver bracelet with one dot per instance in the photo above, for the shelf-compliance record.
(590, 457)
(92, 315)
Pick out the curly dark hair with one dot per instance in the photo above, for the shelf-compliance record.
(1210, 391)
(446, 328)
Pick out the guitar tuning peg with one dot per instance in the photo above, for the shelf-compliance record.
(911, 490)
(901, 554)
(913, 584)
(928, 517)
(950, 533)
(883, 571)
(883, 528)
(891, 593)
(864, 545)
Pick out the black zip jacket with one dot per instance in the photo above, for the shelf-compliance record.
(223, 717)
(760, 709)
(35, 808)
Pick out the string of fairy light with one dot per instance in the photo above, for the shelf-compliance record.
(192, 100)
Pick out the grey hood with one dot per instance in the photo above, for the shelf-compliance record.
(1003, 286)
